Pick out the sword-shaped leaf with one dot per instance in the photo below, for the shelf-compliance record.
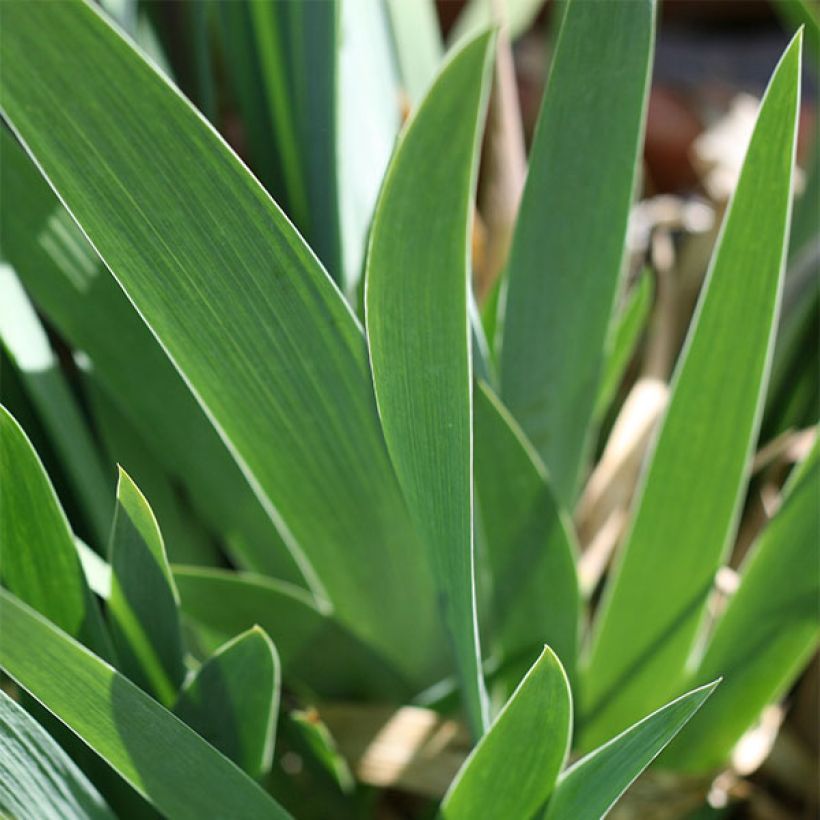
(689, 501)
(239, 302)
(143, 606)
(416, 307)
(568, 249)
(162, 758)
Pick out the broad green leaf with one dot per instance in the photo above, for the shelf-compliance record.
(802, 13)
(688, 505)
(39, 562)
(417, 42)
(143, 604)
(769, 630)
(237, 300)
(37, 778)
(529, 547)
(416, 295)
(314, 648)
(513, 769)
(629, 325)
(233, 699)
(70, 286)
(568, 249)
(26, 343)
(97, 570)
(164, 760)
(591, 786)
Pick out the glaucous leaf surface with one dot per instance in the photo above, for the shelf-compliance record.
(162, 758)
(37, 778)
(238, 301)
(769, 629)
(40, 565)
(530, 551)
(143, 606)
(513, 769)
(416, 310)
(568, 249)
(688, 504)
(233, 699)
(589, 788)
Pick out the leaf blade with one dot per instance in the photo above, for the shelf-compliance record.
(645, 631)
(423, 380)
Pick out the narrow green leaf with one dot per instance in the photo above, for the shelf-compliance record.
(39, 562)
(28, 347)
(186, 537)
(37, 778)
(629, 326)
(417, 42)
(513, 769)
(568, 248)
(233, 699)
(592, 785)
(769, 630)
(417, 278)
(265, 339)
(164, 760)
(143, 604)
(530, 549)
(689, 502)
(368, 122)
(314, 648)
(71, 287)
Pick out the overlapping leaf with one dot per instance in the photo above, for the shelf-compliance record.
(567, 252)
(692, 488)
(237, 300)
(416, 303)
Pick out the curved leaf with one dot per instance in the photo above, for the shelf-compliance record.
(416, 311)
(238, 301)
(164, 760)
(233, 699)
(513, 769)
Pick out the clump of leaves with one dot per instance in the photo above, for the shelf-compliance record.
(364, 511)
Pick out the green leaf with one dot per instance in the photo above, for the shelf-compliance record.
(38, 778)
(629, 325)
(769, 630)
(530, 551)
(25, 340)
(297, 48)
(233, 699)
(164, 760)
(143, 604)
(417, 278)
(513, 769)
(70, 286)
(368, 122)
(240, 304)
(40, 564)
(592, 785)
(186, 536)
(568, 249)
(688, 506)
(313, 647)
(417, 42)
